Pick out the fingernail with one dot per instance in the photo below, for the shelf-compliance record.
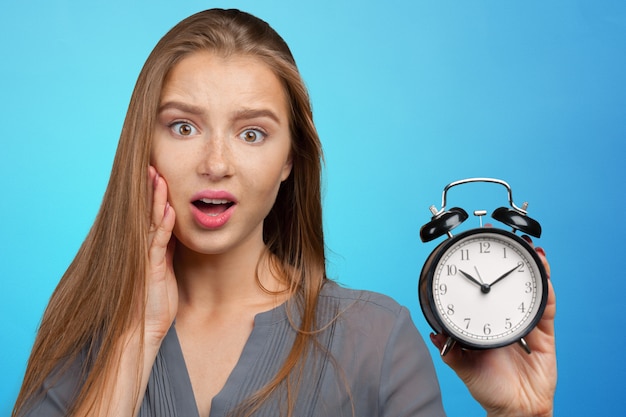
(527, 239)
(156, 178)
(540, 251)
(167, 207)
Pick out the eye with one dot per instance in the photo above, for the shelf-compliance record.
(252, 136)
(183, 129)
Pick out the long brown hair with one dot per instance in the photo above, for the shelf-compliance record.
(95, 300)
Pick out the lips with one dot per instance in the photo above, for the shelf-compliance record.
(212, 206)
(213, 209)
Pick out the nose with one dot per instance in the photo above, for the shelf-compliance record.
(216, 158)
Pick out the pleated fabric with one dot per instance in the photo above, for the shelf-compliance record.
(159, 397)
(369, 361)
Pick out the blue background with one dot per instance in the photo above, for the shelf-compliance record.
(408, 96)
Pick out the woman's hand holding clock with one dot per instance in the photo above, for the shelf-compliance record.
(508, 381)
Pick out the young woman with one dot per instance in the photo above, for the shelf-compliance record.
(201, 288)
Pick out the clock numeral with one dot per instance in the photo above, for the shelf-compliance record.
(443, 289)
(522, 308)
(521, 266)
(467, 321)
(450, 309)
(451, 270)
(487, 329)
(529, 287)
(507, 323)
(485, 247)
(504, 253)
(465, 254)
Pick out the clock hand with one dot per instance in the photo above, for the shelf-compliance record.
(471, 278)
(506, 274)
(478, 274)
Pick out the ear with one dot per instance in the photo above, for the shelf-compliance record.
(286, 169)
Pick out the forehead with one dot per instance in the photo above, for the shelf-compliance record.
(207, 78)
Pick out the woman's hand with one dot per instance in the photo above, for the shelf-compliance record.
(122, 390)
(508, 381)
(161, 289)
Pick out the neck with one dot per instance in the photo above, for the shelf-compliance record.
(238, 279)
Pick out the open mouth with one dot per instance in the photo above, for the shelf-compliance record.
(213, 206)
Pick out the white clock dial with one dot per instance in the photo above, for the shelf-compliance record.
(487, 289)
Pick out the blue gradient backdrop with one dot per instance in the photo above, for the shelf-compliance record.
(408, 96)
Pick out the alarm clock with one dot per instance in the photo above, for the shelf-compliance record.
(485, 287)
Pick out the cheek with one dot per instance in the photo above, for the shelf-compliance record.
(155, 157)
(167, 160)
(169, 170)
(279, 172)
(286, 170)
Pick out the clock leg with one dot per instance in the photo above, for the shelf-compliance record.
(524, 345)
(447, 346)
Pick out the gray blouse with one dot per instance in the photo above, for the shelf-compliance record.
(378, 366)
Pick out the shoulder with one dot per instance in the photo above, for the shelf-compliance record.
(381, 352)
(364, 313)
(372, 302)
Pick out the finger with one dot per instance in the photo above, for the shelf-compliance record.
(550, 311)
(546, 324)
(551, 304)
(438, 340)
(541, 252)
(162, 221)
(171, 246)
(542, 337)
(159, 200)
(545, 327)
(161, 247)
(544, 260)
(152, 174)
(528, 240)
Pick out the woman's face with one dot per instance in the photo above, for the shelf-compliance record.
(223, 145)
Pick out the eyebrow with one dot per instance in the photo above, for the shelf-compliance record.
(246, 114)
(185, 107)
(243, 114)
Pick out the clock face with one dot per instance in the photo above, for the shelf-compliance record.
(488, 288)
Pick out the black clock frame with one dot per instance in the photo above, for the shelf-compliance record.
(425, 288)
